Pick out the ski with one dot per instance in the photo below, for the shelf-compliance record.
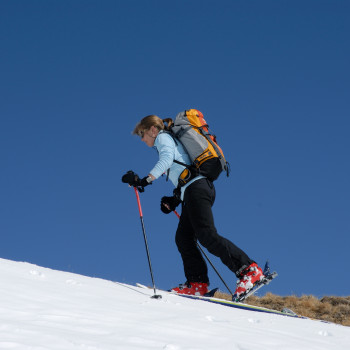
(242, 306)
(209, 297)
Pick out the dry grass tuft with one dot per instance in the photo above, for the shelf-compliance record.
(330, 309)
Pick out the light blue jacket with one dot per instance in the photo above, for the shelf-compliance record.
(169, 151)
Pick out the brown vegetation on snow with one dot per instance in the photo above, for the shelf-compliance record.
(332, 309)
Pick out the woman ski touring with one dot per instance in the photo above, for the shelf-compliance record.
(196, 221)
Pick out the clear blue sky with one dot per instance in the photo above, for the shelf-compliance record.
(272, 79)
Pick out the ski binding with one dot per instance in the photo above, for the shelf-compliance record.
(268, 277)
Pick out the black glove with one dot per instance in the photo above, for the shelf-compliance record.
(169, 204)
(133, 180)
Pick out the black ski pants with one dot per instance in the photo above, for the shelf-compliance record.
(197, 223)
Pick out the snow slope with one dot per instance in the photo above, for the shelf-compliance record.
(46, 309)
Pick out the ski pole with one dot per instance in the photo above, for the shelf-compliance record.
(155, 296)
(207, 257)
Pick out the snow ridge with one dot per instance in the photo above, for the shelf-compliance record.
(47, 309)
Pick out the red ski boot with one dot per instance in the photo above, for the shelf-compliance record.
(191, 288)
(248, 278)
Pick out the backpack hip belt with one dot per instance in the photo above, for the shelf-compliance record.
(188, 174)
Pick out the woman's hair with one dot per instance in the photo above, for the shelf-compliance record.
(151, 120)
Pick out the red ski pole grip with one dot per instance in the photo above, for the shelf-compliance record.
(138, 201)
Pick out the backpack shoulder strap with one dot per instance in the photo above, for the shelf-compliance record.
(172, 135)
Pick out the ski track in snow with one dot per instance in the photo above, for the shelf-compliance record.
(43, 309)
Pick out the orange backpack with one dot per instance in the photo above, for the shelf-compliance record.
(191, 129)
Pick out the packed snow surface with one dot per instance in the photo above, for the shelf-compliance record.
(46, 309)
